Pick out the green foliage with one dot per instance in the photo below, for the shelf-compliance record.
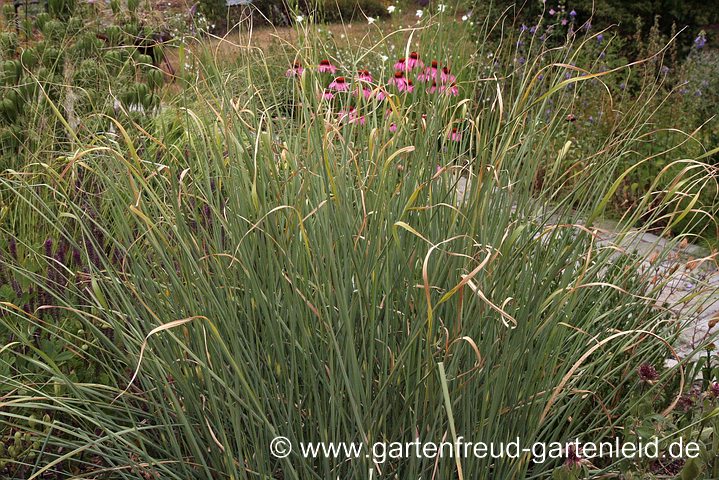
(243, 260)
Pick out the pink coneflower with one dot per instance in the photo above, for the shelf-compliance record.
(351, 116)
(364, 76)
(392, 127)
(339, 84)
(399, 81)
(326, 67)
(401, 65)
(295, 71)
(327, 94)
(447, 76)
(430, 73)
(414, 62)
(433, 87)
(455, 135)
(380, 95)
(367, 93)
(452, 90)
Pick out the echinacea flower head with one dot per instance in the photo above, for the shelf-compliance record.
(327, 94)
(326, 66)
(401, 65)
(446, 76)
(451, 90)
(647, 373)
(339, 84)
(366, 92)
(364, 76)
(392, 127)
(455, 135)
(413, 61)
(351, 116)
(432, 88)
(399, 80)
(295, 71)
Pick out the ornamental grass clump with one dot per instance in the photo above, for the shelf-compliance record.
(317, 277)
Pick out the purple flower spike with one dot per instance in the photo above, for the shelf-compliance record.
(12, 247)
(714, 389)
(647, 373)
(48, 247)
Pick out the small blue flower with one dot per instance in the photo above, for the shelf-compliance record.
(700, 41)
(664, 70)
(572, 14)
(523, 28)
(600, 38)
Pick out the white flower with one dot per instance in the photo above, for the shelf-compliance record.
(371, 20)
(441, 7)
(465, 18)
(384, 58)
(420, 13)
(391, 9)
(299, 18)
